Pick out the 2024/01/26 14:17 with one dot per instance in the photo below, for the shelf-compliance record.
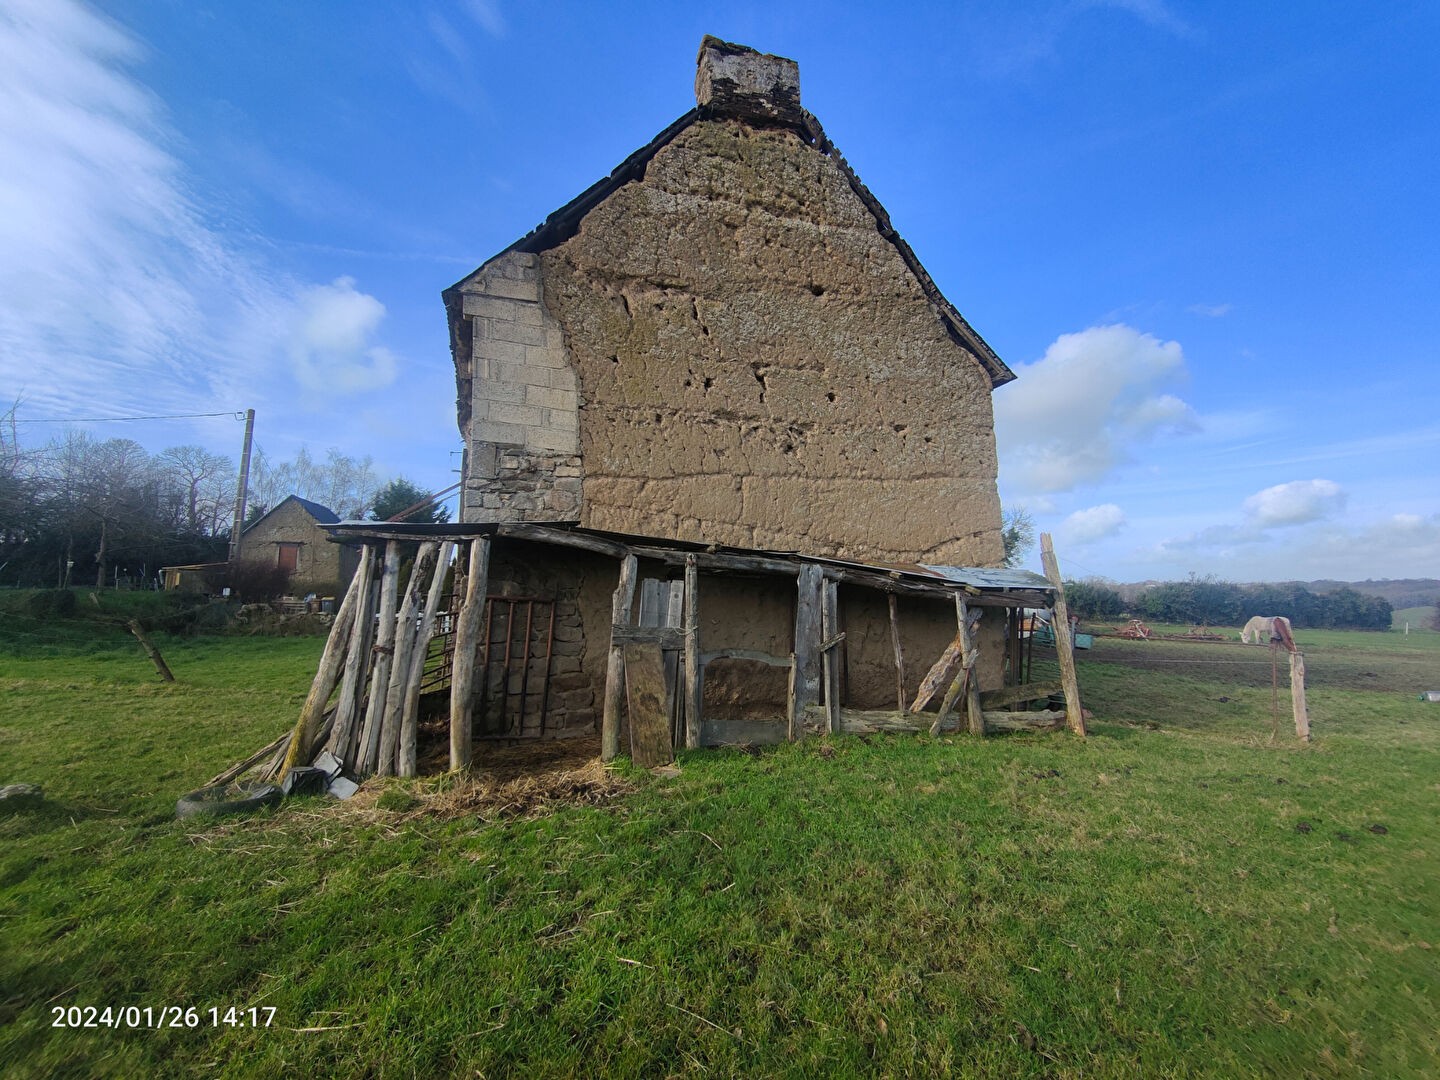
(166, 1016)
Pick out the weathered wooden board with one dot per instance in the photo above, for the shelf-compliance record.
(1013, 695)
(941, 674)
(645, 699)
(621, 604)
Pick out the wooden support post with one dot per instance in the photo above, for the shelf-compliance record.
(384, 653)
(149, 646)
(806, 670)
(970, 657)
(410, 712)
(357, 661)
(326, 676)
(694, 672)
(1297, 695)
(830, 662)
(650, 742)
(462, 673)
(620, 606)
(899, 655)
(1064, 642)
(405, 618)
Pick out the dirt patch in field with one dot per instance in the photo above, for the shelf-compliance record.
(522, 780)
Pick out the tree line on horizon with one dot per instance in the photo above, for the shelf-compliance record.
(1207, 601)
(86, 511)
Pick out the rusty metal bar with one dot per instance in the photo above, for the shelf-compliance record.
(525, 664)
(549, 652)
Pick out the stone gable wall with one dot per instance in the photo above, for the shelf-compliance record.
(758, 366)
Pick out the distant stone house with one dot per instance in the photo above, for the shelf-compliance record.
(291, 536)
(721, 369)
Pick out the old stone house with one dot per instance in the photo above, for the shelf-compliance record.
(722, 372)
(291, 535)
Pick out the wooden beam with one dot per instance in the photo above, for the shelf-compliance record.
(1064, 642)
(667, 637)
(807, 643)
(970, 655)
(543, 534)
(694, 670)
(876, 721)
(899, 653)
(161, 668)
(462, 663)
(940, 674)
(829, 661)
(1013, 695)
(620, 605)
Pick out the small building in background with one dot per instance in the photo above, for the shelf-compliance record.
(291, 536)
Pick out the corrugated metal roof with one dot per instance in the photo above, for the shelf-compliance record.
(981, 577)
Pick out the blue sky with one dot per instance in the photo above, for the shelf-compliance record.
(1203, 234)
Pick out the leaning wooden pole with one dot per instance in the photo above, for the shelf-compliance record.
(970, 654)
(620, 605)
(410, 710)
(162, 668)
(384, 650)
(1064, 642)
(332, 662)
(462, 670)
(357, 662)
(405, 627)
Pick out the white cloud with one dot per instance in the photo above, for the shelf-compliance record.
(1295, 503)
(487, 16)
(1095, 523)
(117, 287)
(1210, 311)
(332, 344)
(1070, 417)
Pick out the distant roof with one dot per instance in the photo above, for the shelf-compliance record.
(323, 515)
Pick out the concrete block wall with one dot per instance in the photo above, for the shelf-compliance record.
(524, 438)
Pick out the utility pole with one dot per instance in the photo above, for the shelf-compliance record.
(242, 488)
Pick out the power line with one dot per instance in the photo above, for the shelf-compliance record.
(236, 414)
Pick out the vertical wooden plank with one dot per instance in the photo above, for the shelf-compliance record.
(419, 650)
(970, 657)
(357, 663)
(620, 607)
(830, 659)
(674, 616)
(694, 686)
(462, 676)
(384, 658)
(1297, 695)
(406, 618)
(1064, 644)
(807, 669)
(650, 743)
(326, 676)
(899, 655)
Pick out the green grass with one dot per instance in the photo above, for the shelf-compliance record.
(1421, 619)
(1179, 895)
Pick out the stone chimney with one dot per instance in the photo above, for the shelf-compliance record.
(735, 80)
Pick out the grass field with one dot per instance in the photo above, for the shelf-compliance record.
(1177, 896)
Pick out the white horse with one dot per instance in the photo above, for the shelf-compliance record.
(1262, 630)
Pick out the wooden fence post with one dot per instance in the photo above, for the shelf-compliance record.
(462, 671)
(357, 662)
(1297, 695)
(384, 649)
(899, 655)
(410, 709)
(326, 676)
